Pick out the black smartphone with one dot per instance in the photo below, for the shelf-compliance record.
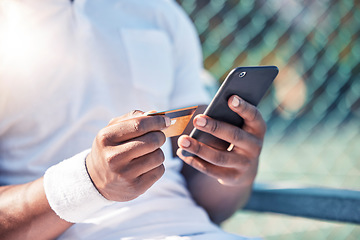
(249, 83)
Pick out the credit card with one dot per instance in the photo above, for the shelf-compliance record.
(179, 120)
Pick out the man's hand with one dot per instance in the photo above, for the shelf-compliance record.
(237, 167)
(126, 159)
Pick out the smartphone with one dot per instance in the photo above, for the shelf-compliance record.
(249, 83)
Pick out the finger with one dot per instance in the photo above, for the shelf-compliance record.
(146, 180)
(129, 115)
(232, 134)
(132, 128)
(140, 146)
(224, 175)
(253, 120)
(143, 164)
(211, 155)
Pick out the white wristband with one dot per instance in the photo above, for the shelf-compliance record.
(70, 191)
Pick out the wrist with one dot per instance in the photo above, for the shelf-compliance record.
(93, 174)
(70, 191)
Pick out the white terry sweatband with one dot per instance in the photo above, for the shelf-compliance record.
(70, 191)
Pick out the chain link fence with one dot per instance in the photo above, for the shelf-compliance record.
(313, 107)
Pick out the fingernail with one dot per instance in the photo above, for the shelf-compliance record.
(200, 121)
(149, 112)
(235, 102)
(185, 142)
(167, 121)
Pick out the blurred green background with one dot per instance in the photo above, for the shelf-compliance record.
(313, 108)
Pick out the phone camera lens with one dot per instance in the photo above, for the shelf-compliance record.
(242, 74)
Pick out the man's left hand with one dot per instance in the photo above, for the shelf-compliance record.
(237, 167)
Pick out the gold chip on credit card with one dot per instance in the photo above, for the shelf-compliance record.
(179, 120)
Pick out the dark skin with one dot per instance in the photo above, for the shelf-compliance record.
(221, 180)
(126, 160)
(25, 213)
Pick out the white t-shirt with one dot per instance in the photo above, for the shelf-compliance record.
(67, 68)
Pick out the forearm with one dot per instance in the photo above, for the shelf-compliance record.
(218, 200)
(25, 213)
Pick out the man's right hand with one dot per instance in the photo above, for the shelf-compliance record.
(126, 159)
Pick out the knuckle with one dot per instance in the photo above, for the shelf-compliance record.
(111, 161)
(112, 166)
(138, 124)
(250, 112)
(146, 124)
(214, 127)
(197, 148)
(103, 137)
(135, 112)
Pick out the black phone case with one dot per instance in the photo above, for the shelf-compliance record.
(251, 84)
